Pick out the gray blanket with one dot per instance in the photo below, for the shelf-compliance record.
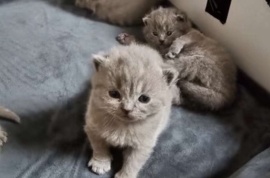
(45, 67)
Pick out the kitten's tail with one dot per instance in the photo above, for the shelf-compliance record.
(9, 115)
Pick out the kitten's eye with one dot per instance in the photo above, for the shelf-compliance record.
(169, 33)
(155, 34)
(144, 99)
(114, 94)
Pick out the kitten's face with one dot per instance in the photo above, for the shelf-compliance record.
(163, 26)
(127, 88)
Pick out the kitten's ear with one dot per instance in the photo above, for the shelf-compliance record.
(145, 19)
(99, 60)
(170, 74)
(181, 17)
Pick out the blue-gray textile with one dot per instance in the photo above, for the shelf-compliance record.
(45, 67)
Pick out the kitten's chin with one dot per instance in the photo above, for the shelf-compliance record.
(161, 47)
(128, 119)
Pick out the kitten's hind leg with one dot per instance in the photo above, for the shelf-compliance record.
(3, 137)
(202, 97)
(101, 158)
(125, 39)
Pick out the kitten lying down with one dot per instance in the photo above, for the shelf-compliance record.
(207, 74)
(120, 12)
(129, 106)
(7, 114)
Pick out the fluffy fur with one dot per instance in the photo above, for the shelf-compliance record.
(163, 26)
(207, 74)
(7, 114)
(124, 120)
(121, 12)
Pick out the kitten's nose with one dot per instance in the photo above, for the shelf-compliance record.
(126, 111)
(126, 107)
(161, 41)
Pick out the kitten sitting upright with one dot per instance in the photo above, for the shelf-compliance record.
(129, 106)
(207, 74)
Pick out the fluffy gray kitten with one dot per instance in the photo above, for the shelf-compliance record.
(163, 25)
(207, 74)
(129, 106)
(121, 12)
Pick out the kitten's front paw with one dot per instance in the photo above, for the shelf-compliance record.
(176, 97)
(3, 137)
(123, 175)
(174, 51)
(100, 166)
(125, 39)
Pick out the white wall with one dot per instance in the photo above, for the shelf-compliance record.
(246, 33)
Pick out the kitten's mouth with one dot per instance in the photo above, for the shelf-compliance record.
(127, 119)
(163, 45)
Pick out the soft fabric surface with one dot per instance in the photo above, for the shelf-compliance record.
(257, 167)
(45, 67)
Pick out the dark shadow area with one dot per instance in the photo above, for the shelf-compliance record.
(60, 129)
(255, 89)
(66, 125)
(8, 120)
(256, 129)
(6, 1)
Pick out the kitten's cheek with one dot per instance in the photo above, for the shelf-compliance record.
(134, 116)
(132, 119)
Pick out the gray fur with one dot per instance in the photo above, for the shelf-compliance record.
(121, 12)
(132, 70)
(207, 74)
(162, 21)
